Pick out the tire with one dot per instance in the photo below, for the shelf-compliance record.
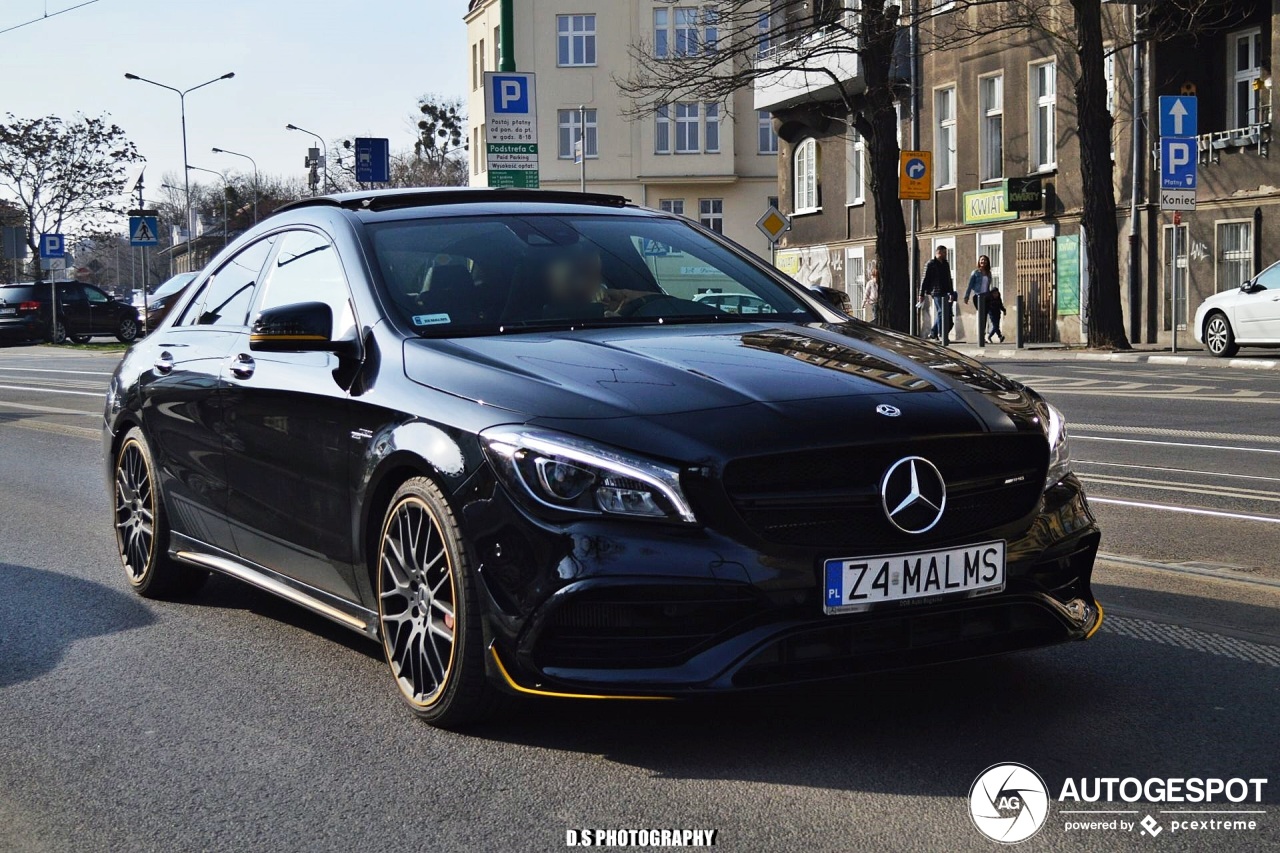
(59, 334)
(127, 330)
(142, 528)
(80, 339)
(425, 581)
(1219, 339)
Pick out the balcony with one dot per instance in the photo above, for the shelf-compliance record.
(808, 69)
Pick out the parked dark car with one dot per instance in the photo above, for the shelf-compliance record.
(168, 294)
(479, 427)
(84, 311)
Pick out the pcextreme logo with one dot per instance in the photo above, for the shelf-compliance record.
(1010, 803)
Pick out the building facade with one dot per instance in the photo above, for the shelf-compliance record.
(999, 116)
(715, 163)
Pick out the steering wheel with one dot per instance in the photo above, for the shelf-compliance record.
(629, 309)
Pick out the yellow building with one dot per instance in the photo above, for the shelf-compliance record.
(716, 163)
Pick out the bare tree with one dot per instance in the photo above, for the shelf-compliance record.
(64, 172)
(817, 33)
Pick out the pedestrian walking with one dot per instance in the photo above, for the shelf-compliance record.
(871, 295)
(995, 307)
(937, 284)
(980, 283)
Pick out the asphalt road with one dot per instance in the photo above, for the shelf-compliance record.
(238, 722)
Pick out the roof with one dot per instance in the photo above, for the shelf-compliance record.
(377, 200)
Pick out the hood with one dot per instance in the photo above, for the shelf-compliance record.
(657, 370)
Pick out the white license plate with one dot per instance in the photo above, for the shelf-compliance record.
(8, 311)
(851, 584)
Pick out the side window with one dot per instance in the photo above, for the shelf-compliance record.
(225, 298)
(307, 269)
(1269, 278)
(96, 296)
(72, 292)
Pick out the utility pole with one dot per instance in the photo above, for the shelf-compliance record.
(582, 148)
(507, 35)
(913, 326)
(1136, 183)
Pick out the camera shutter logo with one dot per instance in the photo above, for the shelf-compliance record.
(1008, 803)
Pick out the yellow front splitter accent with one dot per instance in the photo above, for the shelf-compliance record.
(533, 691)
(1098, 622)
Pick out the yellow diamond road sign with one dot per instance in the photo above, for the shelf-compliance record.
(773, 224)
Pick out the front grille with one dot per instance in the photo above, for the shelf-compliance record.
(831, 498)
(641, 626)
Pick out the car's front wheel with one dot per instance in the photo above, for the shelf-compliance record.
(127, 331)
(142, 529)
(1218, 336)
(428, 610)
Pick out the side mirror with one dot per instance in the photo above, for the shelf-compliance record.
(837, 299)
(301, 327)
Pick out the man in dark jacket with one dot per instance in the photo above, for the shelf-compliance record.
(937, 283)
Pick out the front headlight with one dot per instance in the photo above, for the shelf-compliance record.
(1059, 447)
(574, 475)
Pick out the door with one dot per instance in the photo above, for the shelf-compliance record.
(1036, 277)
(103, 311)
(1258, 314)
(288, 432)
(73, 309)
(184, 399)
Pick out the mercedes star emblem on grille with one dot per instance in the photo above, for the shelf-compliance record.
(888, 411)
(913, 494)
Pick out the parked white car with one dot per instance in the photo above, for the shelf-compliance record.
(1248, 316)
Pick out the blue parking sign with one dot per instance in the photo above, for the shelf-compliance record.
(1178, 163)
(510, 93)
(53, 246)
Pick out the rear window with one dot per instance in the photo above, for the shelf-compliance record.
(22, 292)
(496, 274)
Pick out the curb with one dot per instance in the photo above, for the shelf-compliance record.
(1013, 354)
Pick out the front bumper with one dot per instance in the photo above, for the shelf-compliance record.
(607, 609)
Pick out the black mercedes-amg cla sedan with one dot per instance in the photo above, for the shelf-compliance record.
(498, 432)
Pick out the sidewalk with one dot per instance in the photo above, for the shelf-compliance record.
(1248, 360)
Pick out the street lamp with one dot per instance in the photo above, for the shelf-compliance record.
(226, 188)
(324, 150)
(217, 150)
(182, 102)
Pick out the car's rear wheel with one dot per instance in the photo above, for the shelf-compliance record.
(1218, 336)
(127, 331)
(428, 610)
(142, 529)
(80, 339)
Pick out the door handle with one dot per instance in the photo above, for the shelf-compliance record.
(164, 364)
(242, 366)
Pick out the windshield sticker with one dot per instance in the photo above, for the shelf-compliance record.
(430, 319)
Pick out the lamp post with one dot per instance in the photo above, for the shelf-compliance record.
(182, 103)
(225, 189)
(324, 150)
(217, 150)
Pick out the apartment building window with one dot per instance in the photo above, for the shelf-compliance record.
(475, 67)
(806, 177)
(855, 279)
(1044, 116)
(991, 145)
(575, 40)
(944, 135)
(991, 244)
(1245, 52)
(482, 65)
(475, 150)
(684, 31)
(765, 35)
(662, 130)
(855, 191)
(712, 128)
(1109, 80)
(672, 205)
(687, 121)
(711, 214)
(570, 122)
(767, 140)
(497, 48)
(1235, 254)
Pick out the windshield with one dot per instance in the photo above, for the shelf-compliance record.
(174, 284)
(495, 274)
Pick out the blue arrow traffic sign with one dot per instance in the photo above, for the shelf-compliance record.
(53, 246)
(1178, 115)
(144, 230)
(1177, 163)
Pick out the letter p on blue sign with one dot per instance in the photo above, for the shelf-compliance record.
(510, 95)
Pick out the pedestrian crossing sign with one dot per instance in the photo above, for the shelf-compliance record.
(144, 230)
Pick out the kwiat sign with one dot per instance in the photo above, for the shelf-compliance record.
(1010, 803)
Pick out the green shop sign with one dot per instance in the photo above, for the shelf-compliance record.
(986, 206)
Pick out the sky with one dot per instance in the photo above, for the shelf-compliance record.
(340, 69)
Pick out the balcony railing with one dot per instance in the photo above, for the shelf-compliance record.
(808, 68)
